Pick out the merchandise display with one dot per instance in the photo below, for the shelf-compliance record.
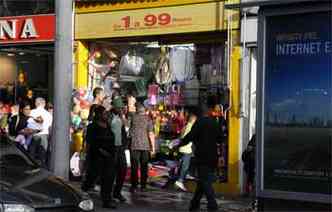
(182, 64)
(166, 79)
(131, 64)
(163, 74)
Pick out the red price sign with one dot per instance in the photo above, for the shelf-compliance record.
(149, 20)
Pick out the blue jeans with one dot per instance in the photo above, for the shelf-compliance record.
(206, 176)
(184, 167)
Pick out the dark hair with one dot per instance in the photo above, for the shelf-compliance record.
(23, 104)
(204, 109)
(97, 91)
(211, 102)
(195, 111)
(49, 106)
(98, 112)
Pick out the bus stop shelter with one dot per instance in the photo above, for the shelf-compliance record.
(294, 101)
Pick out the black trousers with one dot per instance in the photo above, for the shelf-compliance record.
(206, 176)
(139, 158)
(107, 178)
(103, 167)
(38, 149)
(93, 169)
(120, 169)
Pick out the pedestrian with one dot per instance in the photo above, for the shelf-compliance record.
(15, 124)
(249, 160)
(50, 108)
(205, 134)
(18, 121)
(40, 141)
(20, 126)
(117, 124)
(101, 153)
(186, 152)
(98, 99)
(89, 164)
(142, 145)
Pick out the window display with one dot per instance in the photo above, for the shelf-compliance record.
(25, 73)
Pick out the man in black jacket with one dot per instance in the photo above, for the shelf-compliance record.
(205, 134)
(102, 153)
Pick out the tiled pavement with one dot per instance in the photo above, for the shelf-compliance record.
(155, 200)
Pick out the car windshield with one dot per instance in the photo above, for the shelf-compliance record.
(13, 156)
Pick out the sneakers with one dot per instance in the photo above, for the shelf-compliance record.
(97, 188)
(180, 185)
(120, 198)
(189, 177)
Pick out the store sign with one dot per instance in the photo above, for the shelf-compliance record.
(156, 21)
(26, 29)
(84, 6)
(297, 107)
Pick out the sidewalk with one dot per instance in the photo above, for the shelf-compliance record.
(162, 200)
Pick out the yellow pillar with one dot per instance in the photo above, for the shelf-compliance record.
(232, 187)
(81, 64)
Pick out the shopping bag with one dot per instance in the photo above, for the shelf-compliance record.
(75, 165)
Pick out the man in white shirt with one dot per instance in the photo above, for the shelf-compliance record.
(39, 144)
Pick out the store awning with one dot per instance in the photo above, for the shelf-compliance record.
(260, 3)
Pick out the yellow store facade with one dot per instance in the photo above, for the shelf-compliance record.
(103, 31)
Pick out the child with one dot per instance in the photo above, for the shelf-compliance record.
(25, 137)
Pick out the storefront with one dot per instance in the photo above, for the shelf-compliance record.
(174, 54)
(26, 57)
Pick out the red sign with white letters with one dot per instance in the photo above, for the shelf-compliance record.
(27, 29)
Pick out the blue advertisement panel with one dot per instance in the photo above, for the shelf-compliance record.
(298, 103)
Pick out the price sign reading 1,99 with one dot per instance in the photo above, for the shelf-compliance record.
(150, 20)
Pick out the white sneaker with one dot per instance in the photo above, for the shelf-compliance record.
(97, 188)
(180, 185)
(189, 177)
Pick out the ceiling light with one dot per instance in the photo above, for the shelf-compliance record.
(10, 54)
(21, 53)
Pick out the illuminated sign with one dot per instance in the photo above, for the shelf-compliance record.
(27, 29)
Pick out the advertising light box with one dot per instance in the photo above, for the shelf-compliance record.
(296, 105)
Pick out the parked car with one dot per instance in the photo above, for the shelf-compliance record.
(26, 187)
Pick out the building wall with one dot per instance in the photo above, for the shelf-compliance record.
(81, 65)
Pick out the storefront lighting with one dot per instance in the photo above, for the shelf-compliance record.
(156, 45)
(153, 45)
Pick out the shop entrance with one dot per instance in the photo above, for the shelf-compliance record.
(169, 78)
(26, 72)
